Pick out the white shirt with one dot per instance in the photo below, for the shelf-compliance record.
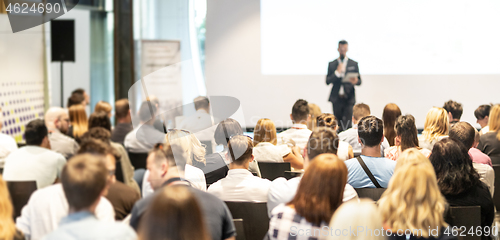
(484, 130)
(202, 125)
(343, 150)
(194, 175)
(7, 145)
(341, 75)
(142, 139)
(240, 185)
(486, 175)
(34, 163)
(47, 207)
(297, 133)
(268, 152)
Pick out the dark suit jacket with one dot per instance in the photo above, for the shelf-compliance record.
(352, 66)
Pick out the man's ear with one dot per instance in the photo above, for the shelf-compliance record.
(450, 117)
(164, 168)
(291, 117)
(309, 117)
(252, 158)
(383, 138)
(359, 140)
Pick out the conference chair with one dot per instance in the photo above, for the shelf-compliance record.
(240, 230)
(273, 170)
(138, 160)
(371, 193)
(496, 193)
(465, 216)
(255, 219)
(20, 192)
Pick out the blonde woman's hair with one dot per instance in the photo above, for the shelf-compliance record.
(78, 119)
(189, 143)
(436, 124)
(314, 111)
(413, 202)
(265, 131)
(353, 214)
(7, 226)
(411, 156)
(494, 120)
(103, 106)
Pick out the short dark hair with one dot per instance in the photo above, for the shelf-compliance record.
(240, 149)
(482, 111)
(464, 133)
(96, 146)
(371, 131)
(35, 132)
(173, 154)
(74, 99)
(99, 119)
(98, 133)
(454, 108)
(147, 111)
(201, 102)
(83, 179)
(227, 128)
(122, 108)
(342, 42)
(78, 91)
(322, 140)
(300, 110)
(326, 120)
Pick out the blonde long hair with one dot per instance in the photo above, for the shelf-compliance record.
(7, 226)
(494, 120)
(413, 202)
(353, 214)
(78, 119)
(436, 124)
(189, 143)
(265, 131)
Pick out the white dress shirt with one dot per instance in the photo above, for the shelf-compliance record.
(45, 209)
(7, 145)
(268, 152)
(298, 133)
(143, 138)
(343, 150)
(486, 175)
(240, 185)
(341, 75)
(34, 163)
(194, 175)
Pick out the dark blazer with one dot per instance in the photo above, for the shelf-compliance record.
(352, 66)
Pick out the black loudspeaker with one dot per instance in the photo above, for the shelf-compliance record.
(62, 34)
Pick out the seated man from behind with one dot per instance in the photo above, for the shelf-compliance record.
(298, 134)
(454, 110)
(466, 134)
(57, 122)
(201, 123)
(85, 180)
(350, 135)
(322, 140)
(35, 161)
(240, 184)
(123, 121)
(143, 138)
(371, 136)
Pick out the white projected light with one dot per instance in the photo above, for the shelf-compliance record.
(386, 37)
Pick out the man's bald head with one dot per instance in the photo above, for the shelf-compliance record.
(57, 118)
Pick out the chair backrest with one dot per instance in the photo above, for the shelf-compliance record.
(255, 219)
(465, 218)
(208, 147)
(119, 172)
(496, 195)
(372, 193)
(273, 170)
(20, 192)
(138, 160)
(240, 229)
(291, 174)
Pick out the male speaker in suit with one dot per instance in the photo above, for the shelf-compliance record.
(343, 96)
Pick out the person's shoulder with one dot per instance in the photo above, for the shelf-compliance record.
(351, 162)
(118, 230)
(353, 61)
(282, 185)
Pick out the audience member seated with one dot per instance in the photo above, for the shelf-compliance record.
(57, 122)
(83, 95)
(174, 213)
(299, 214)
(85, 180)
(76, 98)
(350, 135)
(35, 161)
(436, 127)
(406, 138)
(7, 143)
(166, 165)
(322, 140)
(389, 116)
(458, 181)
(240, 185)
(298, 134)
(371, 135)
(353, 214)
(201, 123)
(482, 114)
(143, 138)
(216, 166)
(8, 229)
(103, 106)
(489, 143)
(123, 121)
(344, 150)
(101, 121)
(414, 186)
(79, 122)
(267, 150)
(314, 111)
(454, 110)
(121, 196)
